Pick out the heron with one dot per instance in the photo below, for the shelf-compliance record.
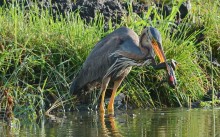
(113, 57)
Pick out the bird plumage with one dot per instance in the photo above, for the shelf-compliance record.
(103, 56)
(113, 57)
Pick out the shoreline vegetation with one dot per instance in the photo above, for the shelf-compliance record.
(40, 55)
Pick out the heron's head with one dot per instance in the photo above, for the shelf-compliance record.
(151, 38)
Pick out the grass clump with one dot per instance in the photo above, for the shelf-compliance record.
(40, 55)
(180, 43)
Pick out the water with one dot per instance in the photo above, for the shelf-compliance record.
(135, 123)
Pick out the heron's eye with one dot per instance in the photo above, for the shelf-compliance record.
(154, 42)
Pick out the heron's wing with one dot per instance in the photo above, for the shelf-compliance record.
(129, 49)
(96, 64)
(123, 33)
(100, 60)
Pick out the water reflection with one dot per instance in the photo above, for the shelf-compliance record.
(141, 123)
(108, 126)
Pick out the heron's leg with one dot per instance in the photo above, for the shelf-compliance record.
(104, 85)
(160, 66)
(117, 83)
(156, 66)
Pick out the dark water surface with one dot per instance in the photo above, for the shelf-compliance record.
(135, 123)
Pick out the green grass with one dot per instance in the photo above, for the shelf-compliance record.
(40, 56)
(193, 79)
(208, 13)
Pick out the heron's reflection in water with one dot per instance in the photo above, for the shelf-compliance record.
(108, 125)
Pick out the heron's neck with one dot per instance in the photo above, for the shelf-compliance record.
(145, 52)
(142, 54)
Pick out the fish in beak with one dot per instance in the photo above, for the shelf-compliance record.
(170, 70)
(171, 77)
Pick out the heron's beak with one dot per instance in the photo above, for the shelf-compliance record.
(158, 50)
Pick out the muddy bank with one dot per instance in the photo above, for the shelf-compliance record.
(112, 10)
